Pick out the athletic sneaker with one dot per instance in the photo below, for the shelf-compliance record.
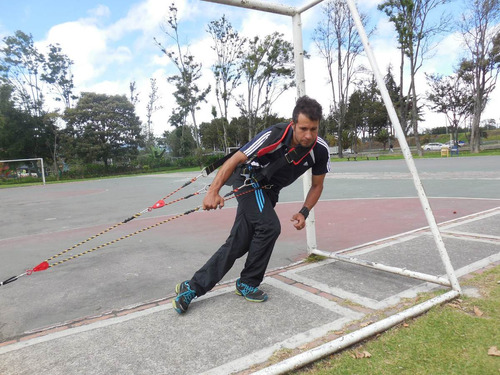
(251, 293)
(184, 297)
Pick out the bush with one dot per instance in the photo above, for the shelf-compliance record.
(96, 170)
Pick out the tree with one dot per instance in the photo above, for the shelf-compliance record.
(22, 135)
(103, 128)
(134, 95)
(481, 35)
(33, 76)
(366, 115)
(212, 134)
(21, 67)
(238, 131)
(187, 95)
(151, 107)
(338, 42)
(268, 68)
(451, 96)
(57, 73)
(181, 143)
(415, 35)
(228, 46)
(400, 102)
(374, 112)
(354, 118)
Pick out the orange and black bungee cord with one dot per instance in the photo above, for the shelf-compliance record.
(46, 264)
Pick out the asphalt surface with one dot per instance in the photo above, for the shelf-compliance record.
(113, 304)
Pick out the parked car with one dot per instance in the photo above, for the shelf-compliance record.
(433, 146)
(452, 143)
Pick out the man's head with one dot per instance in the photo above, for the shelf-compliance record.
(308, 107)
(306, 117)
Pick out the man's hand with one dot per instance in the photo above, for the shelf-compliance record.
(299, 221)
(212, 200)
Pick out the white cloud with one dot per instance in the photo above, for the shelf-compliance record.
(101, 11)
(261, 24)
(145, 17)
(85, 44)
(126, 49)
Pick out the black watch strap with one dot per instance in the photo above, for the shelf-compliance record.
(304, 211)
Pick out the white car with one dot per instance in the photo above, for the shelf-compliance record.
(433, 146)
(452, 143)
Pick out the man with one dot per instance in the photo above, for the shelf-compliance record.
(275, 158)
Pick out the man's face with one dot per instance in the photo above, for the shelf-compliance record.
(305, 131)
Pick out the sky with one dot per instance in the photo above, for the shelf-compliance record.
(111, 43)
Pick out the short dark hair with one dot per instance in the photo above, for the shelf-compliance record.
(308, 107)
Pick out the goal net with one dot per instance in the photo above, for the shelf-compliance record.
(22, 170)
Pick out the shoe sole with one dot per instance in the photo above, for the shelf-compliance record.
(177, 308)
(237, 292)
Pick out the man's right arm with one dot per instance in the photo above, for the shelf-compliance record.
(212, 199)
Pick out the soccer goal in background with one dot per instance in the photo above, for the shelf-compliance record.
(23, 168)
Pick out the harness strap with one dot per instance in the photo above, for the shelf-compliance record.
(212, 167)
(295, 155)
(271, 147)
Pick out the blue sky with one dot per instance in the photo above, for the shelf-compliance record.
(111, 44)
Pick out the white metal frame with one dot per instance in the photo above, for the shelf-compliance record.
(41, 161)
(451, 280)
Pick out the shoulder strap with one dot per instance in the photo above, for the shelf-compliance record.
(295, 156)
(212, 167)
(271, 144)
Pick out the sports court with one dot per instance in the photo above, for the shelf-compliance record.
(113, 304)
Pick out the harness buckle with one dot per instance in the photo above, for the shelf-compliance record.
(288, 157)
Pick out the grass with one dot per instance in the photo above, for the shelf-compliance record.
(30, 181)
(427, 155)
(450, 339)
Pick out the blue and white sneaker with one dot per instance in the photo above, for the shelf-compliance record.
(184, 297)
(251, 293)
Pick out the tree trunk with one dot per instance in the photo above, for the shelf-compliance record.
(475, 133)
(402, 103)
(414, 107)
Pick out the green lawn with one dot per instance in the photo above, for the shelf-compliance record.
(454, 338)
(427, 155)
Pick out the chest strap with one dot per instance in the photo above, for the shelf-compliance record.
(295, 155)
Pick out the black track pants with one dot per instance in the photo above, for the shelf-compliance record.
(254, 231)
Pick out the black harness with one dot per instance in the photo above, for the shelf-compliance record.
(262, 175)
(295, 155)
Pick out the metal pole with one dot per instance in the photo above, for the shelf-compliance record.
(352, 338)
(309, 6)
(405, 149)
(301, 90)
(259, 5)
(43, 171)
(390, 269)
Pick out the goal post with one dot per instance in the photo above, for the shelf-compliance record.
(30, 159)
(451, 281)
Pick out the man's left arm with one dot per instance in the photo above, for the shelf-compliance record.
(312, 198)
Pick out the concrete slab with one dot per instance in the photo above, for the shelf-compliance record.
(378, 289)
(420, 254)
(217, 331)
(367, 287)
(483, 226)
